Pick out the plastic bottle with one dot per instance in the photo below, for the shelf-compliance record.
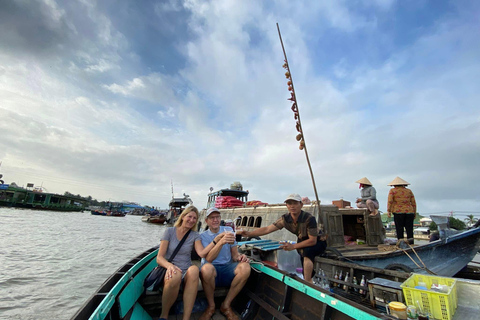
(362, 283)
(326, 285)
(345, 287)
(355, 282)
(317, 278)
(336, 278)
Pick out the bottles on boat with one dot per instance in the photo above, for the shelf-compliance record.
(340, 277)
(355, 282)
(317, 279)
(345, 287)
(362, 283)
(326, 284)
(336, 278)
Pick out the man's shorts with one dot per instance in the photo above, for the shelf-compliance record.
(225, 274)
(313, 251)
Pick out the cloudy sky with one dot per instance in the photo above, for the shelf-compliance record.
(116, 99)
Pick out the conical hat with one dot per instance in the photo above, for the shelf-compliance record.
(398, 182)
(364, 180)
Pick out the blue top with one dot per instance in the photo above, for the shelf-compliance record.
(225, 255)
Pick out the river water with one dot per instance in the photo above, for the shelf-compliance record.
(52, 262)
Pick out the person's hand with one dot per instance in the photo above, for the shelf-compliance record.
(243, 258)
(287, 246)
(171, 270)
(389, 214)
(243, 233)
(219, 237)
(229, 237)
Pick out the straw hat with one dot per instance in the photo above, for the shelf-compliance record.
(364, 180)
(398, 182)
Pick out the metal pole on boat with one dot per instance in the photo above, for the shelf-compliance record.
(300, 136)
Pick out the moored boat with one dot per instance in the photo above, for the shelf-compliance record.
(354, 235)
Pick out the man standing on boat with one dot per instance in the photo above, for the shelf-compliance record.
(222, 267)
(304, 226)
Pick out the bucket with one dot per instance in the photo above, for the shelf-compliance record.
(397, 310)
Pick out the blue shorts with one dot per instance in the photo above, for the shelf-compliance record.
(225, 274)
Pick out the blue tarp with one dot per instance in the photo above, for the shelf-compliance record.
(4, 186)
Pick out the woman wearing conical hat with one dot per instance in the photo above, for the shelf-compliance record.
(368, 197)
(401, 202)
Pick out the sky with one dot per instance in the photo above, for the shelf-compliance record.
(121, 99)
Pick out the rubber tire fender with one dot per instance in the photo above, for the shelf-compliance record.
(399, 267)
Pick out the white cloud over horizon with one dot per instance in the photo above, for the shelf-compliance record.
(117, 99)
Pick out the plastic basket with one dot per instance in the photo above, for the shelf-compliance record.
(440, 305)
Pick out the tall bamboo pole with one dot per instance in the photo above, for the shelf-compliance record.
(300, 136)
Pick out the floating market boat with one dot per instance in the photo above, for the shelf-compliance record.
(176, 206)
(353, 235)
(17, 197)
(269, 293)
(158, 218)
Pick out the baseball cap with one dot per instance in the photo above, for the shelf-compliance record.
(294, 196)
(211, 210)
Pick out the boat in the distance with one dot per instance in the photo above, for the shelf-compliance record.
(155, 216)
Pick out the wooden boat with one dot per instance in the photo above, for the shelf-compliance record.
(353, 235)
(158, 218)
(269, 293)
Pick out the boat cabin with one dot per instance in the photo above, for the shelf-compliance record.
(176, 206)
(235, 190)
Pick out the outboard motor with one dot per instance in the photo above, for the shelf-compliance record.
(443, 227)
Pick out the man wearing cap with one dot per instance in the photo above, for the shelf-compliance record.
(222, 267)
(304, 226)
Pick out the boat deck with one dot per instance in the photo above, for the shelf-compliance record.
(195, 316)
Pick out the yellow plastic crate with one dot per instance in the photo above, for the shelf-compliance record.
(440, 305)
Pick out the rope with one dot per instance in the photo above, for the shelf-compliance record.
(413, 249)
(256, 262)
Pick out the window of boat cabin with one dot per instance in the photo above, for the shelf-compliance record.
(258, 222)
(251, 220)
(353, 226)
(238, 222)
(244, 221)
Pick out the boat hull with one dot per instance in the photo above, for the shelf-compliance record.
(268, 293)
(443, 257)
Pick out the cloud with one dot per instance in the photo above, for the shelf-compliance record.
(117, 100)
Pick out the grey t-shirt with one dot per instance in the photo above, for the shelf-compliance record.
(183, 259)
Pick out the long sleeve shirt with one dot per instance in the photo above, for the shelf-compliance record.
(401, 200)
(368, 192)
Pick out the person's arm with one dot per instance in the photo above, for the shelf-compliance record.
(260, 231)
(238, 257)
(390, 203)
(221, 240)
(201, 250)
(414, 204)
(162, 251)
(311, 241)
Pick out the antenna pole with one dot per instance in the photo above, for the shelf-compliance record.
(300, 136)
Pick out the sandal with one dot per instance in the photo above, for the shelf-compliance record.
(207, 315)
(229, 313)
